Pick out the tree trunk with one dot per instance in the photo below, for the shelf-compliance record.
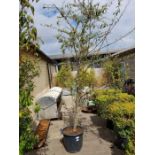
(76, 113)
(76, 100)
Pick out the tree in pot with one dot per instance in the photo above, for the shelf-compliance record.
(83, 28)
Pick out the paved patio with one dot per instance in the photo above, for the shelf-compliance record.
(97, 140)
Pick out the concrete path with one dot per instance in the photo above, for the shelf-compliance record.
(97, 139)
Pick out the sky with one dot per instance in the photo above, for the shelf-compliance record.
(44, 19)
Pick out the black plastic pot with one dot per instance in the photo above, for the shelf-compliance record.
(109, 124)
(73, 142)
(121, 142)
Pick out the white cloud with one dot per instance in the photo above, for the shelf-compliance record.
(47, 34)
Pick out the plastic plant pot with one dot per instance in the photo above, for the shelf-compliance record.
(72, 141)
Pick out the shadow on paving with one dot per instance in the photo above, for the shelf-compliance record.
(40, 151)
(106, 134)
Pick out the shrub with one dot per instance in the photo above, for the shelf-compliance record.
(102, 101)
(105, 99)
(112, 95)
(130, 147)
(125, 128)
(107, 92)
(124, 97)
(114, 74)
(37, 108)
(120, 108)
(27, 137)
(86, 78)
(109, 96)
(28, 70)
(122, 114)
(64, 77)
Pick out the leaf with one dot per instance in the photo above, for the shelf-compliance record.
(32, 9)
(34, 33)
(30, 19)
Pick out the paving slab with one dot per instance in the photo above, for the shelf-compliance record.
(97, 139)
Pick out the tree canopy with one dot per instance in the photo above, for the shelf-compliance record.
(83, 26)
(27, 31)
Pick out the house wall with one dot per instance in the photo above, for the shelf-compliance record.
(98, 75)
(129, 61)
(98, 72)
(128, 58)
(42, 81)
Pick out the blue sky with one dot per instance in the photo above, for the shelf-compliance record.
(44, 18)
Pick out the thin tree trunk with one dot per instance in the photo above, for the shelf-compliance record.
(76, 114)
(76, 100)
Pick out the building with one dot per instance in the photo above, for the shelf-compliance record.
(50, 65)
(127, 59)
(43, 82)
(125, 56)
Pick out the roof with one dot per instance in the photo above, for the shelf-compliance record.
(69, 55)
(44, 56)
(33, 50)
(124, 52)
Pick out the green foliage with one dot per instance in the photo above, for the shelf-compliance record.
(124, 97)
(120, 108)
(99, 92)
(104, 100)
(84, 34)
(86, 78)
(83, 78)
(125, 128)
(64, 76)
(27, 141)
(28, 69)
(89, 28)
(114, 74)
(109, 96)
(130, 147)
(37, 108)
(27, 31)
(27, 138)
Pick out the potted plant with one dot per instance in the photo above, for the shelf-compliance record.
(82, 31)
